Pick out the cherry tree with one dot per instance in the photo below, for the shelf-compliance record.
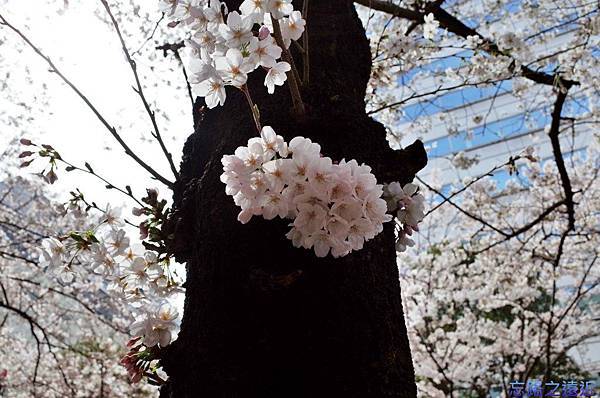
(507, 291)
(283, 202)
(510, 299)
(58, 338)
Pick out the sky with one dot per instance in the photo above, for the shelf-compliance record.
(87, 51)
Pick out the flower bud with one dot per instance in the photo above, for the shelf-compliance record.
(25, 164)
(263, 33)
(51, 177)
(144, 230)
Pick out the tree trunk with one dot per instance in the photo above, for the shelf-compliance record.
(265, 319)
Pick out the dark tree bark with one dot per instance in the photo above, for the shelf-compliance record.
(262, 318)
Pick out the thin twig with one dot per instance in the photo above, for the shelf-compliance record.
(523, 229)
(77, 300)
(474, 217)
(112, 130)
(293, 78)
(253, 108)
(488, 174)
(18, 257)
(109, 185)
(139, 90)
(440, 88)
(185, 76)
(175, 47)
(33, 323)
(305, 48)
(149, 37)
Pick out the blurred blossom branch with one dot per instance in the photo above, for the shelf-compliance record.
(162, 17)
(175, 49)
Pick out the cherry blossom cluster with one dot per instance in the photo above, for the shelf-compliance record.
(458, 300)
(128, 271)
(86, 327)
(227, 46)
(335, 207)
(409, 206)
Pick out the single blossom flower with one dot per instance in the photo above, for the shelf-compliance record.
(280, 8)
(264, 52)
(276, 76)
(430, 26)
(237, 31)
(255, 9)
(213, 91)
(234, 68)
(292, 28)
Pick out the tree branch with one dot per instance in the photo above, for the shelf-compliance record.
(77, 300)
(34, 324)
(293, 77)
(452, 24)
(151, 35)
(112, 130)
(401, 165)
(482, 176)
(391, 8)
(140, 90)
(466, 213)
(523, 229)
(558, 156)
(17, 257)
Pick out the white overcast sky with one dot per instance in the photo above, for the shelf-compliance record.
(88, 52)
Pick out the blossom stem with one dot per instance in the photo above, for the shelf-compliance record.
(293, 76)
(253, 108)
(305, 54)
(140, 92)
(90, 171)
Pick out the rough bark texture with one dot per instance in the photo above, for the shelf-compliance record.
(262, 318)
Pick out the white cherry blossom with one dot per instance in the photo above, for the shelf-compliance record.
(276, 76)
(233, 68)
(237, 31)
(264, 52)
(292, 27)
(280, 8)
(213, 91)
(254, 8)
(218, 35)
(430, 27)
